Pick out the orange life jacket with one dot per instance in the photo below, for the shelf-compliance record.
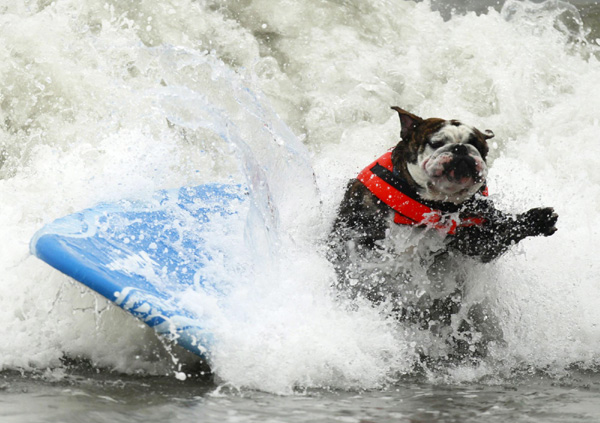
(379, 178)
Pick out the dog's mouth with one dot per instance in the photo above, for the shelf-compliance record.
(463, 170)
(455, 169)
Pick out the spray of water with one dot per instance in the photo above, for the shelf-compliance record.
(110, 100)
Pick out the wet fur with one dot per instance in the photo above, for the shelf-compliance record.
(363, 222)
(367, 216)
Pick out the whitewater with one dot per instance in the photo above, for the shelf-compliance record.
(101, 101)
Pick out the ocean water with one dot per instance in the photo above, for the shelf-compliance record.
(103, 100)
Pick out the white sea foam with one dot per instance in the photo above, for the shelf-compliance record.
(104, 101)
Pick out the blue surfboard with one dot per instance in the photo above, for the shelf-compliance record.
(142, 255)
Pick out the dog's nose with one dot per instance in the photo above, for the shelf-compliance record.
(460, 150)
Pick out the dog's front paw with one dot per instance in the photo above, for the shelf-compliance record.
(539, 221)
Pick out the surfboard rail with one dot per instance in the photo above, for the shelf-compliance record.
(142, 255)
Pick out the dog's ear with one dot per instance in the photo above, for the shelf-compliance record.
(408, 122)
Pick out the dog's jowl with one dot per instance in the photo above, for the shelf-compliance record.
(411, 221)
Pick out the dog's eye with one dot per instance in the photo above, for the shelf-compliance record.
(436, 144)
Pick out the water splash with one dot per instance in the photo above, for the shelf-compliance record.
(546, 18)
(103, 101)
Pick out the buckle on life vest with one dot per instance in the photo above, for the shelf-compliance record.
(444, 223)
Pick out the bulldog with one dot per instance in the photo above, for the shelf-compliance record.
(411, 219)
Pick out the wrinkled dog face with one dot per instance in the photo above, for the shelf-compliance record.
(450, 161)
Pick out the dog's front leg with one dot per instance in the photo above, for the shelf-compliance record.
(492, 239)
